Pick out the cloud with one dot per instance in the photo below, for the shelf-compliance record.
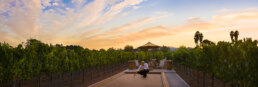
(122, 14)
(126, 27)
(55, 4)
(190, 27)
(46, 3)
(194, 19)
(5, 5)
(91, 14)
(90, 32)
(238, 20)
(236, 16)
(122, 34)
(136, 7)
(7, 38)
(117, 9)
(149, 33)
(2, 35)
(113, 1)
(225, 10)
(20, 18)
(54, 19)
(82, 17)
(244, 21)
(125, 3)
(78, 3)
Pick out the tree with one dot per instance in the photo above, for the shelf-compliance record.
(74, 47)
(236, 35)
(128, 48)
(232, 34)
(207, 42)
(196, 37)
(201, 37)
(164, 49)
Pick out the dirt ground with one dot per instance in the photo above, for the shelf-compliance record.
(128, 80)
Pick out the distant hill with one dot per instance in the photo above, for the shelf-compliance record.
(173, 48)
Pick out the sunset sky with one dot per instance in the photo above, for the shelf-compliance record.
(99, 24)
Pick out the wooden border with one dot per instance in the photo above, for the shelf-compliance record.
(164, 80)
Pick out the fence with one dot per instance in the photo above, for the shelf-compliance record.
(80, 78)
(197, 78)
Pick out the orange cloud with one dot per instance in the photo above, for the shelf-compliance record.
(68, 28)
(236, 16)
(194, 19)
(27, 19)
(148, 33)
(2, 34)
(22, 19)
(125, 28)
(218, 24)
(91, 32)
(196, 27)
(235, 20)
(5, 37)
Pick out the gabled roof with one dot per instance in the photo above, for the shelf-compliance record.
(149, 44)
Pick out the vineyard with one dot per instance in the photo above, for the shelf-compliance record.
(234, 63)
(35, 58)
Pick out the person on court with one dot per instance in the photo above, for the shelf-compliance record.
(143, 69)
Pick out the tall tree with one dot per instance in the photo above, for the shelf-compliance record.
(232, 34)
(196, 37)
(200, 37)
(236, 35)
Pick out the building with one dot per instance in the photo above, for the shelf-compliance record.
(149, 47)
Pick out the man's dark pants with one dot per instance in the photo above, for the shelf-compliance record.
(144, 72)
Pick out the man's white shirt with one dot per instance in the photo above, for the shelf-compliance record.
(146, 66)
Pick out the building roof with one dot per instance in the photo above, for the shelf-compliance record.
(149, 44)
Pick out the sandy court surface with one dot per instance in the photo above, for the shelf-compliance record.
(128, 80)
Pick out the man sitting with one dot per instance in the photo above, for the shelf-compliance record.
(143, 69)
